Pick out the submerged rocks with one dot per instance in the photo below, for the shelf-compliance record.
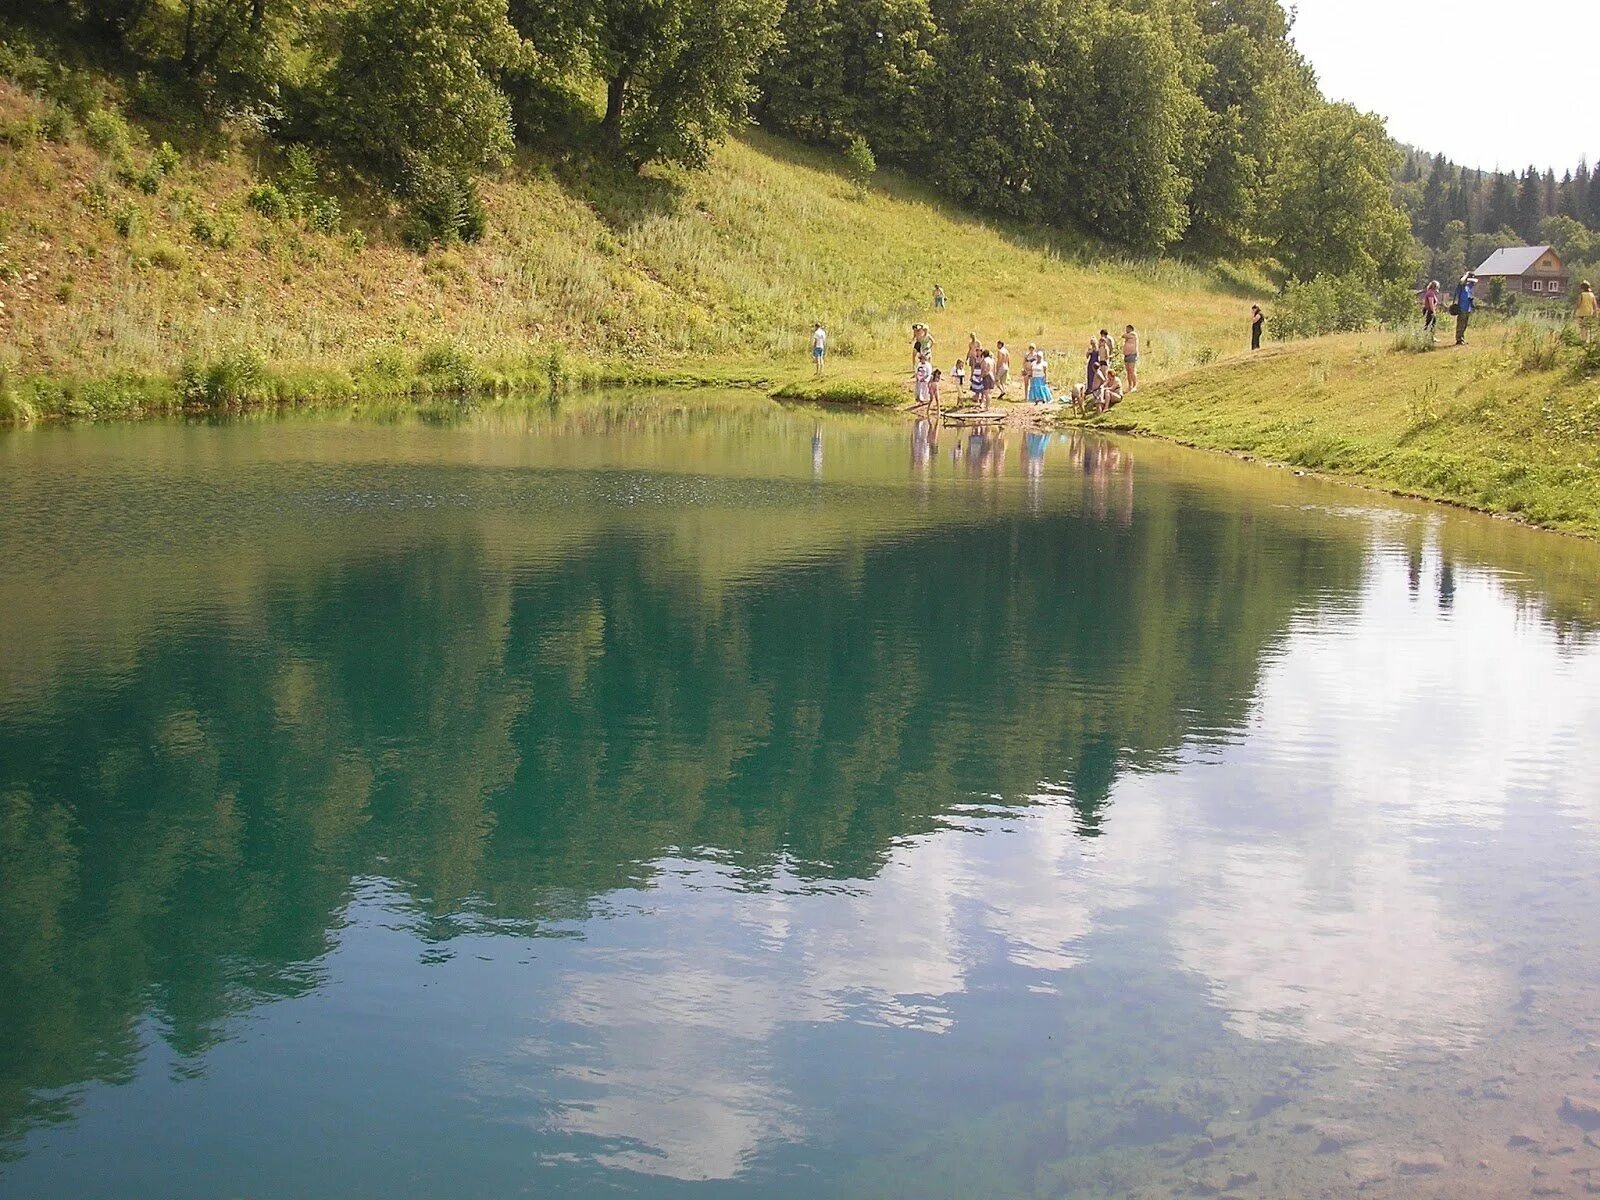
(1420, 1164)
(1583, 1111)
(1336, 1136)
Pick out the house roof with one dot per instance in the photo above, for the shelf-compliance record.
(1518, 260)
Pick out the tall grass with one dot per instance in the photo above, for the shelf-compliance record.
(720, 270)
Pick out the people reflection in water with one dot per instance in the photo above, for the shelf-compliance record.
(816, 452)
(924, 443)
(1447, 585)
(1107, 471)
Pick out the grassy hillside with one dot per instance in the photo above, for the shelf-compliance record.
(113, 273)
(1509, 424)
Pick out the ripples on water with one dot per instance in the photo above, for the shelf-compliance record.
(809, 806)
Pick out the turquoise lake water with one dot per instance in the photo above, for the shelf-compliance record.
(668, 797)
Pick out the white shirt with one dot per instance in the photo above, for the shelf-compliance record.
(819, 339)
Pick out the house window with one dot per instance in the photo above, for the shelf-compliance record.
(1536, 286)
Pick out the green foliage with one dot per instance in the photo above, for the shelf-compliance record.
(1332, 212)
(677, 73)
(324, 215)
(108, 133)
(1338, 304)
(166, 159)
(445, 206)
(267, 200)
(412, 87)
(238, 378)
(127, 221)
(212, 230)
(450, 369)
(859, 161)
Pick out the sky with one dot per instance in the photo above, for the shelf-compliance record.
(1488, 82)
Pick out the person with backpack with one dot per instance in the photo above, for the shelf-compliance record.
(1466, 300)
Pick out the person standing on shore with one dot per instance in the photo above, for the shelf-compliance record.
(1036, 370)
(938, 296)
(1466, 301)
(1588, 310)
(1430, 310)
(921, 344)
(1091, 376)
(819, 346)
(1130, 357)
(1002, 368)
(1258, 320)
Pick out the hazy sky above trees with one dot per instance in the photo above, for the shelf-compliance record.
(1488, 83)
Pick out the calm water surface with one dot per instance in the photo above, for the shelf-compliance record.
(667, 798)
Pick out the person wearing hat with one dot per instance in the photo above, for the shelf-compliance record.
(1466, 301)
(1588, 310)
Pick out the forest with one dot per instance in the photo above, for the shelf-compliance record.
(1192, 126)
(1462, 215)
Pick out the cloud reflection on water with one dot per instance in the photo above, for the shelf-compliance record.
(1299, 876)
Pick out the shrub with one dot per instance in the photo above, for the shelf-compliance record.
(324, 215)
(859, 161)
(107, 132)
(21, 132)
(387, 364)
(56, 124)
(166, 159)
(14, 407)
(127, 221)
(1336, 304)
(444, 203)
(449, 368)
(268, 201)
(164, 255)
(238, 377)
(212, 230)
(298, 182)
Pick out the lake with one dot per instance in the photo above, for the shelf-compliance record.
(680, 796)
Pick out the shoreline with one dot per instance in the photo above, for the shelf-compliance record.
(455, 383)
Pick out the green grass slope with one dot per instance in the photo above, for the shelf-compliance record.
(1509, 424)
(113, 274)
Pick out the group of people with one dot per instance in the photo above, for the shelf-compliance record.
(984, 374)
(1461, 308)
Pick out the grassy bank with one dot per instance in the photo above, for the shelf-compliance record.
(134, 277)
(1509, 424)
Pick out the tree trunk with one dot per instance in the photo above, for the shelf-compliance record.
(258, 13)
(188, 36)
(616, 93)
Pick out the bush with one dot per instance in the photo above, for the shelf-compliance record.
(238, 377)
(445, 206)
(21, 132)
(56, 124)
(324, 215)
(164, 255)
(449, 368)
(166, 159)
(107, 132)
(127, 221)
(859, 161)
(212, 230)
(268, 201)
(1336, 304)
(298, 182)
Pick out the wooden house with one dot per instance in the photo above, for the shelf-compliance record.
(1533, 271)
